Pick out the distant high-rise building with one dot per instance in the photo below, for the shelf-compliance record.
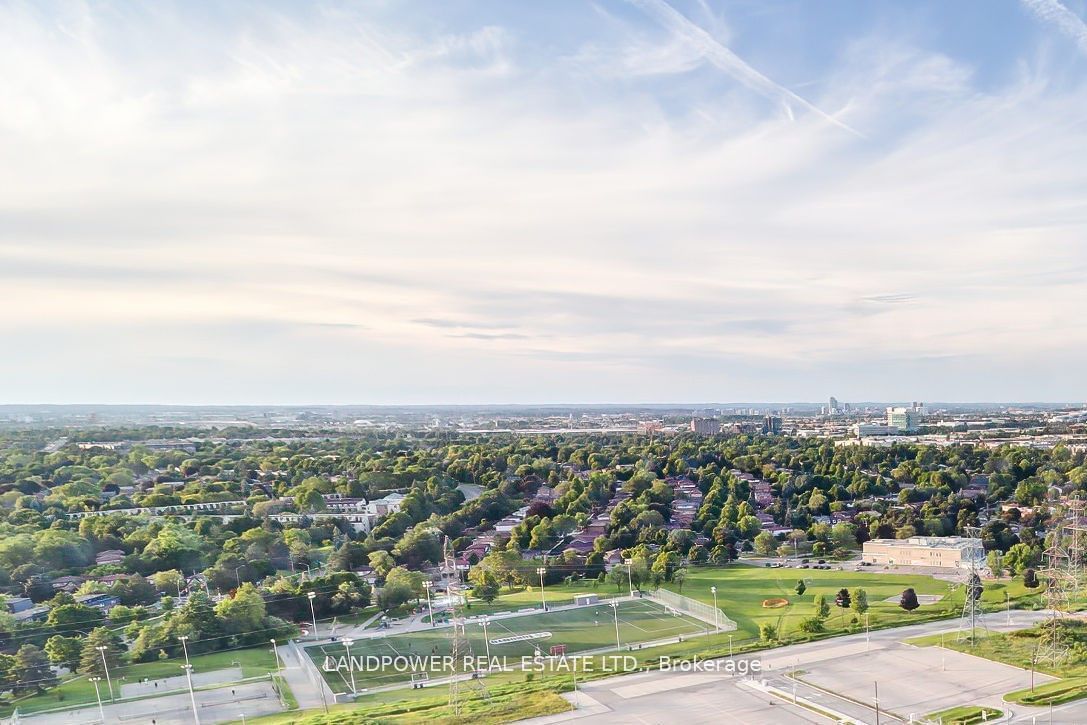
(833, 404)
(705, 426)
(906, 420)
(771, 425)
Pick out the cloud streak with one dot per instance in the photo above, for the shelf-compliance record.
(724, 59)
(1056, 14)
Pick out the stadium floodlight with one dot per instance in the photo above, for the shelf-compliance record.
(716, 625)
(615, 611)
(350, 666)
(313, 612)
(192, 694)
(630, 577)
(427, 585)
(543, 601)
(486, 640)
(98, 695)
(184, 647)
(102, 651)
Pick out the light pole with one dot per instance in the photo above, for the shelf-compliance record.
(185, 638)
(630, 577)
(730, 646)
(102, 651)
(98, 694)
(350, 667)
(275, 653)
(487, 641)
(313, 612)
(543, 601)
(238, 576)
(615, 611)
(192, 695)
(867, 632)
(716, 626)
(426, 585)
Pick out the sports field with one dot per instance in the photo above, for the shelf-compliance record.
(512, 637)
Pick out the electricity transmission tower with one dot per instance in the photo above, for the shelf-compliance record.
(460, 648)
(971, 606)
(1062, 573)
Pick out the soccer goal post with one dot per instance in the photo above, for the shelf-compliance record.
(694, 608)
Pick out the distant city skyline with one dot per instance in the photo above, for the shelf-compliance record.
(570, 203)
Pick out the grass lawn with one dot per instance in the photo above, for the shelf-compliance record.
(582, 629)
(1052, 693)
(965, 715)
(78, 690)
(525, 597)
(741, 590)
(505, 704)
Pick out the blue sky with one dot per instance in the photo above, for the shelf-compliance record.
(458, 202)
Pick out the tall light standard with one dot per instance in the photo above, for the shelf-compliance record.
(716, 625)
(487, 640)
(630, 576)
(185, 638)
(192, 695)
(275, 653)
(615, 611)
(237, 575)
(313, 612)
(98, 694)
(541, 571)
(427, 585)
(102, 651)
(350, 667)
(730, 646)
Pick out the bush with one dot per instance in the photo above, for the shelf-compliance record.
(811, 625)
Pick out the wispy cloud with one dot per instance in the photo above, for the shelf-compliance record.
(1054, 12)
(724, 59)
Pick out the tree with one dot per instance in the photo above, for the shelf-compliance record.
(765, 543)
(1030, 579)
(32, 670)
(842, 599)
(800, 588)
(486, 586)
(860, 601)
(679, 577)
(381, 562)
(822, 609)
(64, 651)
(811, 625)
(996, 562)
(90, 658)
(1021, 557)
(243, 613)
(908, 601)
(767, 632)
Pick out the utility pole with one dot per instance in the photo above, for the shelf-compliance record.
(630, 576)
(876, 685)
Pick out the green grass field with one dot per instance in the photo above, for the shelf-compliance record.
(581, 629)
(741, 590)
(78, 690)
(965, 715)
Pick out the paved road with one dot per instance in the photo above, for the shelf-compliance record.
(912, 682)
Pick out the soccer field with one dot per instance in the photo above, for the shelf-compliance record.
(512, 637)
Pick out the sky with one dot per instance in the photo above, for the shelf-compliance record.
(570, 201)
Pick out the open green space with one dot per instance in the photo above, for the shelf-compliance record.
(504, 704)
(1051, 693)
(582, 629)
(965, 715)
(78, 690)
(742, 589)
(556, 595)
